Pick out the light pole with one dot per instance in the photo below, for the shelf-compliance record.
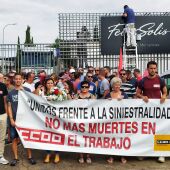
(3, 40)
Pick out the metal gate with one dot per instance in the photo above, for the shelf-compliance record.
(80, 45)
(26, 58)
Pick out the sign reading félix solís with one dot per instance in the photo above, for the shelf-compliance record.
(154, 30)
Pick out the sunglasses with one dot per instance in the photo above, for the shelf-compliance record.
(96, 70)
(84, 87)
(90, 76)
(123, 74)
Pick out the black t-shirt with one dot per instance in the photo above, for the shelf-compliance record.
(3, 92)
(13, 99)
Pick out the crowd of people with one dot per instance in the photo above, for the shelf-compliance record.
(93, 83)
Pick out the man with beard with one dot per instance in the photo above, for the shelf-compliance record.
(152, 87)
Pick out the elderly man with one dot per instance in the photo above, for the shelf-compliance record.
(30, 81)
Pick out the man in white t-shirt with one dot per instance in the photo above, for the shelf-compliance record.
(29, 81)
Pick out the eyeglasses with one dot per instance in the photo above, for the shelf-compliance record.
(50, 83)
(84, 87)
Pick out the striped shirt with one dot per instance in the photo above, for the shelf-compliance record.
(129, 89)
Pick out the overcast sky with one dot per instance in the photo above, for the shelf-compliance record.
(42, 15)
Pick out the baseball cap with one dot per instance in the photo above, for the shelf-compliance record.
(72, 70)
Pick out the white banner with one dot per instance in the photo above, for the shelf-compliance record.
(128, 127)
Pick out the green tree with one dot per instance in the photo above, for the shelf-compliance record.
(18, 56)
(28, 39)
(32, 40)
(56, 44)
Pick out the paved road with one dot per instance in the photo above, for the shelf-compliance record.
(69, 162)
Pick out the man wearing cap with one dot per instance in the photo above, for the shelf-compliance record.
(71, 74)
(129, 16)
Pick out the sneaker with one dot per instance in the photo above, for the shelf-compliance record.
(3, 161)
(14, 162)
(128, 46)
(123, 160)
(133, 45)
(161, 159)
(32, 161)
(88, 161)
(110, 160)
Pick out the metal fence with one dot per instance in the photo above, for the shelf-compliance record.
(26, 58)
(80, 45)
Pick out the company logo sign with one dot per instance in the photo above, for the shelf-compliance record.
(154, 32)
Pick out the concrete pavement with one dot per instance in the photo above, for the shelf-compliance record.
(69, 162)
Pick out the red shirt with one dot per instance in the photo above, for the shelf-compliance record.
(151, 87)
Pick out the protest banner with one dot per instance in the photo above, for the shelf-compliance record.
(128, 127)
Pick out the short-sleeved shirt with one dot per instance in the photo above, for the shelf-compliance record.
(3, 92)
(92, 88)
(133, 81)
(151, 87)
(130, 15)
(128, 88)
(104, 85)
(30, 86)
(13, 99)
